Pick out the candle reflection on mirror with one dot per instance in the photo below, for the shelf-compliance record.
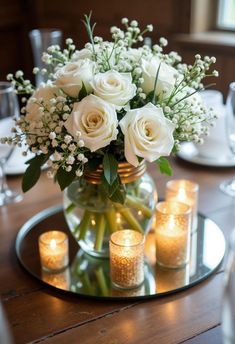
(171, 279)
(60, 280)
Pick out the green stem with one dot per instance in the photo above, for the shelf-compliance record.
(70, 208)
(110, 216)
(83, 225)
(86, 283)
(136, 203)
(101, 281)
(128, 216)
(100, 229)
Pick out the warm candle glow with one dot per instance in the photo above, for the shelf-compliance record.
(53, 250)
(169, 279)
(182, 195)
(127, 258)
(60, 280)
(172, 234)
(53, 244)
(184, 191)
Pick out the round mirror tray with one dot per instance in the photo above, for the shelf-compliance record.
(88, 276)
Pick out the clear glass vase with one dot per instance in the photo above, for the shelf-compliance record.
(92, 217)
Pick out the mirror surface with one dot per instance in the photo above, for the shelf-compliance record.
(89, 276)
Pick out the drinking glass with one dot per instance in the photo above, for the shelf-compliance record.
(228, 301)
(228, 186)
(9, 109)
(40, 40)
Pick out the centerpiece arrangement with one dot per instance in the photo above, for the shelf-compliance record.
(105, 110)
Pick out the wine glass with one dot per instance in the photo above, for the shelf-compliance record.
(9, 109)
(228, 301)
(40, 40)
(228, 186)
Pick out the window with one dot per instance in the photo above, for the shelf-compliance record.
(226, 14)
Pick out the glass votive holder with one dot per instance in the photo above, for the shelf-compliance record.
(184, 191)
(134, 292)
(53, 250)
(127, 258)
(173, 223)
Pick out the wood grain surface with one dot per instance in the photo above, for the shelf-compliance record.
(37, 313)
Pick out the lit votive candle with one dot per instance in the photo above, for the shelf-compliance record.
(173, 222)
(184, 191)
(53, 250)
(127, 258)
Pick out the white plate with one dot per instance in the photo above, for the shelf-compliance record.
(189, 153)
(16, 163)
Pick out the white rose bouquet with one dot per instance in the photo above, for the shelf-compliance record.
(108, 103)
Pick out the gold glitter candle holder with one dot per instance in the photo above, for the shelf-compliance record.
(127, 258)
(173, 223)
(53, 250)
(184, 191)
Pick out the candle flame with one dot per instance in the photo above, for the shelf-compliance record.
(182, 196)
(171, 223)
(127, 242)
(53, 244)
(118, 218)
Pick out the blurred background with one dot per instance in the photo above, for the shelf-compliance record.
(191, 26)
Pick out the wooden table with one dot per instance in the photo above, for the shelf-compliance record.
(37, 313)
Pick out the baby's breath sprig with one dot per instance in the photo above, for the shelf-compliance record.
(22, 86)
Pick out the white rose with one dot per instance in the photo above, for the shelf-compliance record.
(41, 96)
(114, 87)
(166, 77)
(96, 120)
(71, 76)
(147, 134)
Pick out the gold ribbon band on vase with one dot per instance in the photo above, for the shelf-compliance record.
(127, 172)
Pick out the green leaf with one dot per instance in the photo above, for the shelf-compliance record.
(83, 92)
(30, 177)
(113, 187)
(65, 178)
(115, 192)
(110, 166)
(164, 166)
(33, 171)
(38, 159)
(118, 196)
